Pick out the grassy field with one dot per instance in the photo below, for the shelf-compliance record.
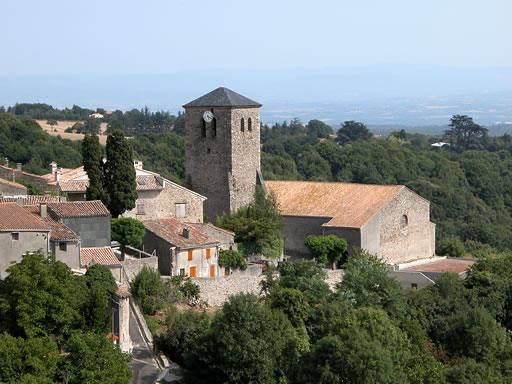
(58, 130)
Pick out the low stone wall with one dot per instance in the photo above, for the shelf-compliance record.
(215, 291)
(132, 266)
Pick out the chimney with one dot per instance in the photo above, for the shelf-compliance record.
(137, 164)
(186, 233)
(18, 167)
(54, 167)
(57, 175)
(6, 162)
(43, 208)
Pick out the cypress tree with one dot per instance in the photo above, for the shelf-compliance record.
(91, 153)
(119, 175)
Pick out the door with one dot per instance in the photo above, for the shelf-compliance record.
(212, 271)
(193, 272)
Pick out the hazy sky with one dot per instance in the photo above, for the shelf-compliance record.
(145, 37)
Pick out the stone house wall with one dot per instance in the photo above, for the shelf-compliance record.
(133, 266)
(12, 250)
(14, 174)
(71, 256)
(162, 204)
(199, 260)
(12, 190)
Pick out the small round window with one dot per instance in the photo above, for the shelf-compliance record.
(404, 221)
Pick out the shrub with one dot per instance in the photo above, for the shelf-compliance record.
(186, 289)
(451, 246)
(150, 290)
(232, 259)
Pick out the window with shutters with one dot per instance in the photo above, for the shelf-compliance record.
(190, 254)
(208, 253)
(193, 272)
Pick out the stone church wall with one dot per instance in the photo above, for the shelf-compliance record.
(416, 240)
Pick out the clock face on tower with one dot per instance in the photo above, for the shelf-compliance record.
(208, 116)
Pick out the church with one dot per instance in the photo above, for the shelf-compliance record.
(223, 164)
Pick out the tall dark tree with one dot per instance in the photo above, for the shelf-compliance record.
(119, 175)
(353, 131)
(91, 153)
(464, 133)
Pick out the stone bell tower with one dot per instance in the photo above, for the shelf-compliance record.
(222, 136)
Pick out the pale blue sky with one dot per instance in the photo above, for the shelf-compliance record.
(148, 37)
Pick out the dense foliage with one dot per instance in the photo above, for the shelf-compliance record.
(368, 330)
(232, 259)
(326, 248)
(53, 325)
(256, 226)
(23, 141)
(128, 231)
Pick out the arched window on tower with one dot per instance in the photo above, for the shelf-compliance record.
(242, 124)
(249, 124)
(203, 128)
(214, 127)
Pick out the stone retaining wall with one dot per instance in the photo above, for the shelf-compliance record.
(133, 266)
(215, 291)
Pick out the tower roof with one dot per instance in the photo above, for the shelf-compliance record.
(222, 97)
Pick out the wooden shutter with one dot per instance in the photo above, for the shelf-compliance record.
(190, 254)
(208, 253)
(212, 271)
(193, 272)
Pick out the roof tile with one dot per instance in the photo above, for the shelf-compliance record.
(16, 218)
(33, 199)
(98, 255)
(59, 231)
(222, 97)
(348, 205)
(92, 208)
(171, 230)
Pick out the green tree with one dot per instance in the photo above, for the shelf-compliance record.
(102, 285)
(127, 231)
(42, 297)
(232, 259)
(451, 246)
(326, 248)
(257, 226)
(150, 290)
(94, 359)
(28, 360)
(246, 343)
(367, 283)
(353, 131)
(91, 154)
(464, 133)
(319, 128)
(118, 176)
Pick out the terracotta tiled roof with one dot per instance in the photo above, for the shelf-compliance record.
(348, 205)
(78, 209)
(148, 183)
(16, 218)
(74, 186)
(12, 184)
(445, 265)
(22, 172)
(171, 230)
(59, 231)
(98, 255)
(144, 183)
(33, 199)
(66, 174)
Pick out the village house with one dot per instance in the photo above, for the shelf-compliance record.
(20, 232)
(12, 189)
(181, 249)
(104, 256)
(157, 196)
(390, 221)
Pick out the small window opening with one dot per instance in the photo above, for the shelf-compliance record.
(214, 127)
(63, 247)
(15, 235)
(181, 210)
(404, 221)
(414, 286)
(249, 124)
(182, 271)
(208, 151)
(242, 124)
(203, 128)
